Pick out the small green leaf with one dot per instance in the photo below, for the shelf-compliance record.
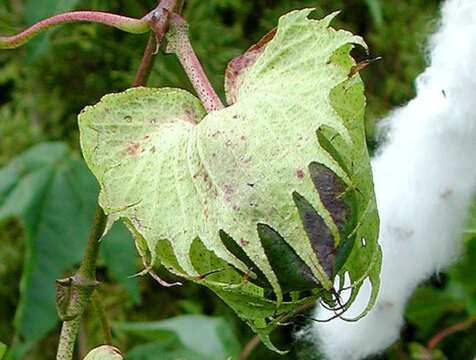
(282, 174)
(104, 352)
(210, 337)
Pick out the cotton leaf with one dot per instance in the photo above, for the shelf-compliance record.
(268, 197)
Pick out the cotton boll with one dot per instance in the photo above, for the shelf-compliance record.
(424, 178)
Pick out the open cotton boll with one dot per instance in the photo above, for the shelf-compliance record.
(424, 177)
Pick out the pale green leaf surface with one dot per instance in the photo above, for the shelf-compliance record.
(104, 352)
(177, 177)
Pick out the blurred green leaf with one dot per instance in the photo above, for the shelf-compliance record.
(37, 10)
(419, 352)
(428, 305)
(169, 350)
(470, 228)
(53, 193)
(119, 252)
(211, 337)
(462, 277)
(375, 8)
(3, 349)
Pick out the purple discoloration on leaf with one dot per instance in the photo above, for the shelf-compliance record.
(238, 65)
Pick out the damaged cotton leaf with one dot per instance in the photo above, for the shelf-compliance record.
(275, 188)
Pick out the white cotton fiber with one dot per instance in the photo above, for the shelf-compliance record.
(424, 177)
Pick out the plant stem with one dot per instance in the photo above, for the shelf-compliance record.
(158, 17)
(80, 286)
(180, 43)
(452, 329)
(249, 347)
(101, 314)
(68, 334)
(146, 63)
(131, 25)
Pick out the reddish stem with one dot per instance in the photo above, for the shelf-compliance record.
(131, 25)
(180, 44)
(452, 329)
(146, 63)
(159, 22)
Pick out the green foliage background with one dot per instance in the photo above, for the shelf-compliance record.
(46, 83)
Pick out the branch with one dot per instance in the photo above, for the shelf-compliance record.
(155, 19)
(130, 25)
(146, 64)
(73, 293)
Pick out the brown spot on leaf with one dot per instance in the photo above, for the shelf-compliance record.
(132, 149)
(191, 118)
(244, 138)
(300, 173)
(228, 143)
(244, 242)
